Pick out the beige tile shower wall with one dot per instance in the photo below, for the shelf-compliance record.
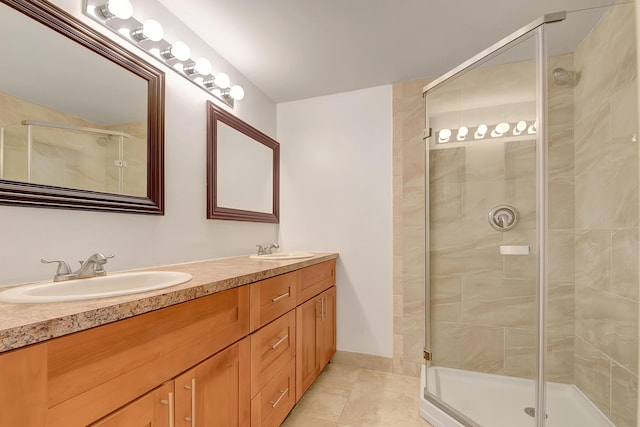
(408, 227)
(606, 220)
(483, 304)
(68, 159)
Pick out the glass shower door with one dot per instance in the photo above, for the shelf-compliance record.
(481, 245)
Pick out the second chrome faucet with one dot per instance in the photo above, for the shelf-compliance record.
(91, 267)
(266, 249)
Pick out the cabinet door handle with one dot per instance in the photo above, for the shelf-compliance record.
(324, 307)
(192, 387)
(279, 297)
(171, 404)
(282, 394)
(280, 341)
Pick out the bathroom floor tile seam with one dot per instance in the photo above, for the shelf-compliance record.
(349, 396)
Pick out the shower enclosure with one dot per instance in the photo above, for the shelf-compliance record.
(79, 157)
(532, 228)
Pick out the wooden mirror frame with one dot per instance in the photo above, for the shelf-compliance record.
(216, 114)
(39, 195)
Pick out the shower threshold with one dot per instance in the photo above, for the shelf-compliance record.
(501, 401)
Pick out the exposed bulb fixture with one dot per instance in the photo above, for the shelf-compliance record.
(121, 9)
(462, 133)
(201, 66)
(520, 127)
(222, 80)
(150, 30)
(500, 129)
(481, 131)
(444, 135)
(117, 16)
(236, 92)
(179, 51)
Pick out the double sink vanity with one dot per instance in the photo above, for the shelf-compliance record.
(236, 345)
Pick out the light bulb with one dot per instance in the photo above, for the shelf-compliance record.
(462, 133)
(519, 127)
(178, 50)
(236, 92)
(503, 127)
(202, 66)
(444, 135)
(533, 128)
(500, 129)
(481, 131)
(222, 80)
(151, 30)
(117, 9)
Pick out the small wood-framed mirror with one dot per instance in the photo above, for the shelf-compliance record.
(243, 170)
(81, 118)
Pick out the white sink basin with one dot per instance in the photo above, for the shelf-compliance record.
(279, 256)
(94, 287)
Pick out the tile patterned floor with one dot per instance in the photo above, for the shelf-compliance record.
(349, 396)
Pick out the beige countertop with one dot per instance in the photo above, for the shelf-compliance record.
(24, 324)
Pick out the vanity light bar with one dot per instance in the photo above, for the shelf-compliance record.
(483, 131)
(117, 16)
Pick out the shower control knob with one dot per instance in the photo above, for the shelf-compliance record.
(503, 217)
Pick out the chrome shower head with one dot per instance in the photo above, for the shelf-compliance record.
(562, 77)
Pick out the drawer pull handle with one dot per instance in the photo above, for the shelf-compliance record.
(170, 403)
(280, 341)
(282, 394)
(279, 297)
(192, 387)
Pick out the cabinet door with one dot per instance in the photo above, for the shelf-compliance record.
(154, 409)
(308, 324)
(23, 387)
(327, 334)
(216, 392)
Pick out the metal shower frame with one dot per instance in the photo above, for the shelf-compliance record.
(537, 29)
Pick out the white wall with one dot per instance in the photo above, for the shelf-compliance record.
(336, 196)
(183, 233)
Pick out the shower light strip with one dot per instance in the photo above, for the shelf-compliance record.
(483, 131)
(117, 16)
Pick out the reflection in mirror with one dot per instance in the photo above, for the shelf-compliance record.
(242, 168)
(81, 119)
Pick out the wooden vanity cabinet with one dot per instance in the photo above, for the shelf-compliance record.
(23, 387)
(241, 357)
(154, 409)
(216, 392)
(316, 338)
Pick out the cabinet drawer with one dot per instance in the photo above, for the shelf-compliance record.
(272, 298)
(94, 372)
(272, 347)
(316, 279)
(272, 404)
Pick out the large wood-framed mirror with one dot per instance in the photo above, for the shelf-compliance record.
(81, 118)
(243, 170)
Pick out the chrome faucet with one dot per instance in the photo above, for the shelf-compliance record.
(266, 249)
(91, 267)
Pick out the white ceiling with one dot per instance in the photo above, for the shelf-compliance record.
(296, 49)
